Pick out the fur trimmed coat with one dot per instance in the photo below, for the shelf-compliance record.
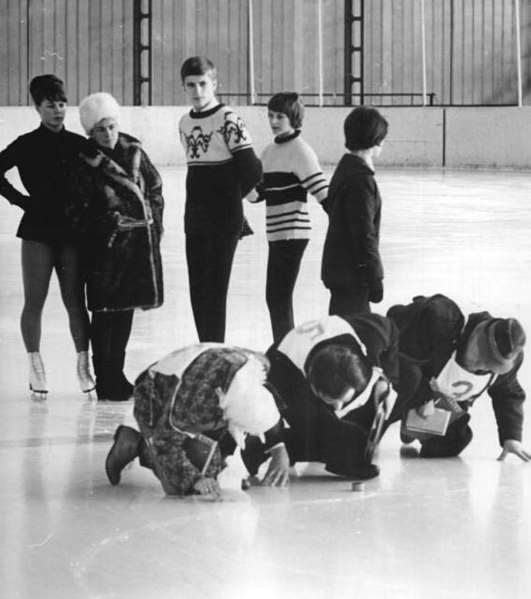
(117, 212)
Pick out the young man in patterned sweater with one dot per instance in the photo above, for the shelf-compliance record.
(291, 171)
(222, 169)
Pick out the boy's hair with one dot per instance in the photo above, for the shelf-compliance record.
(364, 128)
(47, 87)
(290, 104)
(198, 65)
(335, 368)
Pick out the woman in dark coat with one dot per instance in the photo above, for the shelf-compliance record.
(119, 216)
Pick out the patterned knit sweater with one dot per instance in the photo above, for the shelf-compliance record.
(222, 169)
(291, 171)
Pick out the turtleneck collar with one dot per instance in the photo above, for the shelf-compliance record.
(285, 138)
(206, 113)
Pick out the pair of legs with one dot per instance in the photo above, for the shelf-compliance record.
(209, 258)
(39, 260)
(345, 300)
(283, 266)
(109, 334)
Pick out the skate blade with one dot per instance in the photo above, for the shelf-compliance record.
(38, 394)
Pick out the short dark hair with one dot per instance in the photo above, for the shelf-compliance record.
(334, 368)
(290, 104)
(47, 87)
(197, 65)
(364, 128)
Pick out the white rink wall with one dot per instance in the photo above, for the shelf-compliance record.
(426, 137)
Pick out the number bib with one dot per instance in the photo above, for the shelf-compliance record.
(300, 341)
(459, 384)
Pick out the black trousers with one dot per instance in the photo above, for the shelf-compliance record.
(209, 258)
(109, 334)
(345, 300)
(316, 434)
(283, 267)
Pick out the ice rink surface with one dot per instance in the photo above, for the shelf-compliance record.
(425, 529)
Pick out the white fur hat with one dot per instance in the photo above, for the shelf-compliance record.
(96, 107)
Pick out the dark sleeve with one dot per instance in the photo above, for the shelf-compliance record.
(441, 325)
(437, 330)
(360, 212)
(380, 337)
(288, 381)
(507, 401)
(9, 158)
(248, 168)
(153, 192)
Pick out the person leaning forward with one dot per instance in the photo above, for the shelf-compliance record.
(193, 408)
(335, 376)
(459, 362)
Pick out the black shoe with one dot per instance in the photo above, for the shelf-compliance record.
(122, 392)
(359, 470)
(405, 438)
(125, 449)
(365, 471)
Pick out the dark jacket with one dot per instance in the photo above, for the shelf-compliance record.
(351, 256)
(431, 329)
(43, 159)
(377, 333)
(117, 213)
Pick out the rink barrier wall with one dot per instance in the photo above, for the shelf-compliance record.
(418, 137)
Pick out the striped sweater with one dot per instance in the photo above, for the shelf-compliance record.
(290, 171)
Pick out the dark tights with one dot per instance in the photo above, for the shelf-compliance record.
(38, 261)
(282, 271)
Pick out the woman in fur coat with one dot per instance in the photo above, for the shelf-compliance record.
(118, 214)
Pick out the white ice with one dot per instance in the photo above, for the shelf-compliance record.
(439, 529)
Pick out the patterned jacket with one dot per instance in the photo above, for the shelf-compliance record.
(176, 398)
(117, 212)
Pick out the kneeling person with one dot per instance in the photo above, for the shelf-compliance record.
(334, 376)
(193, 408)
(459, 362)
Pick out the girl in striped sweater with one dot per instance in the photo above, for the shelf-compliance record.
(290, 171)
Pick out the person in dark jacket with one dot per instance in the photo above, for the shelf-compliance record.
(44, 158)
(118, 214)
(193, 408)
(351, 266)
(333, 375)
(460, 360)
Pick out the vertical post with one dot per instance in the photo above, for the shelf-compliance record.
(250, 53)
(141, 45)
(347, 54)
(423, 38)
(320, 48)
(518, 51)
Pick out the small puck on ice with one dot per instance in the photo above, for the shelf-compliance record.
(358, 486)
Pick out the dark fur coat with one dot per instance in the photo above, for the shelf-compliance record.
(117, 212)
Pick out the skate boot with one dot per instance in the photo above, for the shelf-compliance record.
(126, 447)
(37, 376)
(86, 382)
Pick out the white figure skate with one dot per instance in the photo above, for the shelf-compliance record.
(37, 376)
(86, 382)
